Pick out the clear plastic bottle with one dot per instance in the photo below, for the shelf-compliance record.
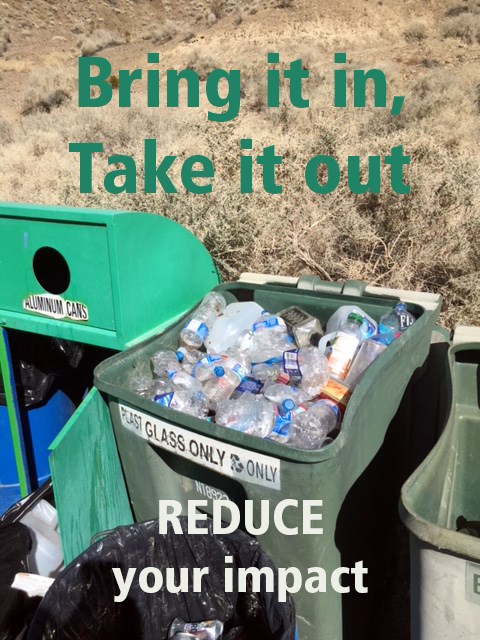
(250, 414)
(369, 326)
(309, 429)
(163, 363)
(193, 335)
(344, 346)
(268, 372)
(193, 403)
(279, 393)
(141, 385)
(227, 377)
(189, 358)
(310, 365)
(394, 323)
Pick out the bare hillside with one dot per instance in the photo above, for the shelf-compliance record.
(429, 50)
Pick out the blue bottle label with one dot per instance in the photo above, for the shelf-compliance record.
(290, 363)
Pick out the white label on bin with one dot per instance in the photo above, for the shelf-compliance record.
(56, 307)
(472, 582)
(221, 457)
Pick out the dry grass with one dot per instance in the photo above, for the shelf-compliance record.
(415, 32)
(163, 33)
(98, 40)
(48, 89)
(465, 26)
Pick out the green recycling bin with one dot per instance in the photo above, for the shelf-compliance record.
(440, 505)
(171, 456)
(108, 280)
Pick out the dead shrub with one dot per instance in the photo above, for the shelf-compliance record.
(98, 40)
(415, 32)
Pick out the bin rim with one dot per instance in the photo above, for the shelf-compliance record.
(246, 441)
(436, 535)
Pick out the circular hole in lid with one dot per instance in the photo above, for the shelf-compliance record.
(51, 270)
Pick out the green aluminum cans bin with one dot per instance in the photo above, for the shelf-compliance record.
(445, 562)
(168, 455)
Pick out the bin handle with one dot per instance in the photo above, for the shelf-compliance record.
(464, 333)
(430, 301)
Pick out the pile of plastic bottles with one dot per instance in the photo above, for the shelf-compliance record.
(275, 376)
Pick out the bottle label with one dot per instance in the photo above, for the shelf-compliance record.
(367, 328)
(344, 347)
(290, 363)
(405, 320)
(164, 400)
(268, 323)
(250, 385)
(281, 428)
(200, 328)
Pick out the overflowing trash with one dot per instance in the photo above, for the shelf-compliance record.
(271, 375)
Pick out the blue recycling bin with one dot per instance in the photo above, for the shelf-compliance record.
(42, 424)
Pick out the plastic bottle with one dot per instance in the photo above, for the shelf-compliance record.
(344, 346)
(268, 346)
(229, 328)
(280, 393)
(270, 371)
(310, 428)
(205, 367)
(310, 365)
(250, 414)
(394, 323)
(183, 380)
(163, 363)
(369, 351)
(141, 385)
(227, 377)
(193, 403)
(196, 330)
(368, 328)
(188, 358)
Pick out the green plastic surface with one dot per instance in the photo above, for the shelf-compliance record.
(94, 499)
(355, 476)
(134, 273)
(446, 484)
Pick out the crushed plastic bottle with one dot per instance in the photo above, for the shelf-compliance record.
(229, 328)
(250, 414)
(163, 363)
(344, 346)
(227, 376)
(188, 358)
(368, 327)
(308, 364)
(270, 371)
(141, 385)
(193, 335)
(193, 403)
(278, 393)
(309, 429)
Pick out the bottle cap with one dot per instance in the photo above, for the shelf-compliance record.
(219, 371)
(356, 318)
(288, 404)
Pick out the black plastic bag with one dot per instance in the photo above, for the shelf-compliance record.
(40, 364)
(15, 545)
(80, 604)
